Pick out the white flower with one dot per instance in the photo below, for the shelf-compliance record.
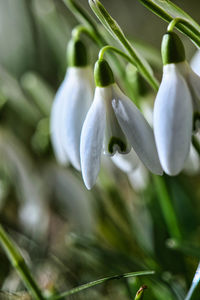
(70, 107)
(113, 122)
(55, 125)
(79, 91)
(195, 62)
(177, 100)
(173, 117)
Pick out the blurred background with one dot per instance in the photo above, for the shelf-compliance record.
(69, 235)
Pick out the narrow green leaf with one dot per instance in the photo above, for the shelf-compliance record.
(99, 281)
(115, 30)
(19, 264)
(168, 11)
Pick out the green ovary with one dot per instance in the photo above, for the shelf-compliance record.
(114, 141)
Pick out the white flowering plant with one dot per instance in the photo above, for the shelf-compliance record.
(101, 157)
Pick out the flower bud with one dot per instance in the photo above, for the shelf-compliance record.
(172, 49)
(76, 54)
(103, 74)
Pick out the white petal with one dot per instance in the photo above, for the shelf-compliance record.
(78, 98)
(139, 178)
(92, 138)
(147, 110)
(194, 84)
(126, 162)
(173, 114)
(192, 163)
(195, 62)
(115, 140)
(137, 130)
(55, 126)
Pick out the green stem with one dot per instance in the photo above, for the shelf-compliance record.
(84, 18)
(99, 281)
(81, 15)
(19, 264)
(108, 48)
(177, 21)
(184, 26)
(111, 25)
(173, 23)
(78, 30)
(167, 207)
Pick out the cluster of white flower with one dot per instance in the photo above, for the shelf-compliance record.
(82, 129)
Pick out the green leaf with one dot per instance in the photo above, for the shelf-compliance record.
(99, 281)
(169, 11)
(115, 30)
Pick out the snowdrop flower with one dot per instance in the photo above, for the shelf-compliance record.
(70, 106)
(177, 100)
(113, 124)
(195, 62)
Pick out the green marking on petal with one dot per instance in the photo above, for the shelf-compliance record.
(116, 141)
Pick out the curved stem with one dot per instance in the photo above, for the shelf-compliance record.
(108, 48)
(78, 30)
(113, 28)
(84, 18)
(177, 21)
(184, 26)
(173, 23)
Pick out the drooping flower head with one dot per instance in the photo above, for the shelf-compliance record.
(71, 104)
(113, 124)
(178, 99)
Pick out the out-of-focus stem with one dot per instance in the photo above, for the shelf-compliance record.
(167, 207)
(19, 264)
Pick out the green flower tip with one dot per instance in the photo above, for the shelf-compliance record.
(172, 49)
(76, 54)
(103, 74)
